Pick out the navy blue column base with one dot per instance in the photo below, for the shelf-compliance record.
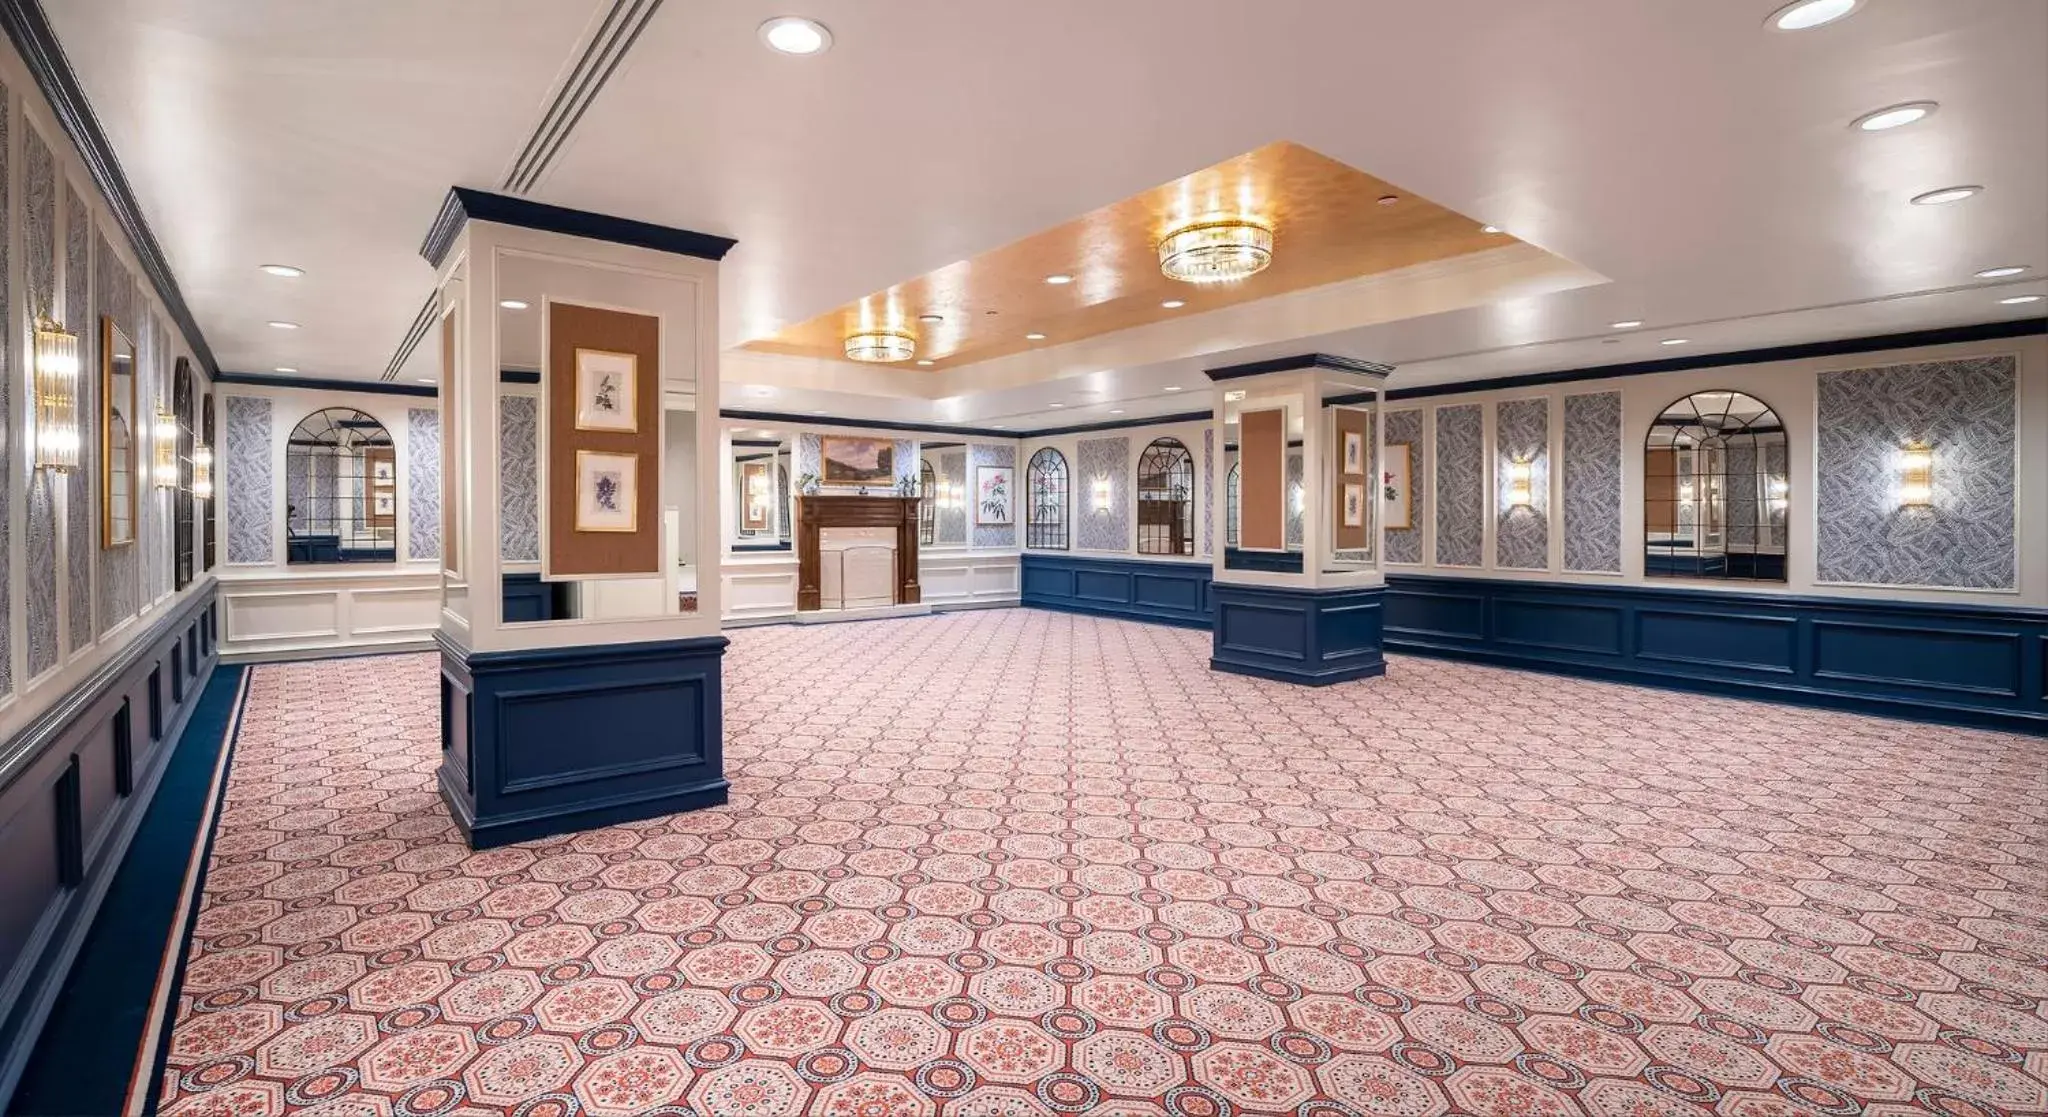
(544, 742)
(1311, 637)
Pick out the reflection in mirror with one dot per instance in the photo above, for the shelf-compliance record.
(1166, 499)
(1354, 496)
(341, 489)
(117, 436)
(942, 491)
(760, 485)
(1716, 485)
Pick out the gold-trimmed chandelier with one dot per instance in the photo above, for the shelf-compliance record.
(880, 347)
(1216, 250)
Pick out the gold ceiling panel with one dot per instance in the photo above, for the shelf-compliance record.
(1328, 225)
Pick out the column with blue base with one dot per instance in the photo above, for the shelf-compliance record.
(581, 656)
(1299, 599)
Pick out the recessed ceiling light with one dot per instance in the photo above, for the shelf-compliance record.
(512, 304)
(1388, 199)
(2001, 272)
(284, 325)
(1174, 304)
(1676, 341)
(284, 271)
(2018, 299)
(1895, 116)
(820, 411)
(1803, 15)
(1626, 324)
(999, 426)
(925, 363)
(1116, 411)
(426, 379)
(1057, 405)
(1173, 387)
(1034, 337)
(1490, 229)
(762, 392)
(931, 318)
(796, 35)
(1946, 194)
(1059, 280)
(286, 369)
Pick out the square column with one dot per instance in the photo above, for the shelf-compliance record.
(581, 659)
(1299, 598)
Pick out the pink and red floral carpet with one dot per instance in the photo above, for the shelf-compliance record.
(1015, 862)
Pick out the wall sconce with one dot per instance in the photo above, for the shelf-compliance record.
(163, 449)
(1296, 499)
(1101, 494)
(56, 386)
(1519, 483)
(1916, 476)
(1778, 492)
(202, 472)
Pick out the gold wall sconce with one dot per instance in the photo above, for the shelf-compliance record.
(202, 472)
(163, 450)
(1101, 495)
(1520, 482)
(1916, 476)
(56, 387)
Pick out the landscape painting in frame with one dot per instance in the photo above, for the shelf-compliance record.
(1396, 483)
(606, 391)
(995, 495)
(857, 461)
(607, 491)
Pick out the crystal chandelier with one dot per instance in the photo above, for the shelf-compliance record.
(881, 347)
(1216, 250)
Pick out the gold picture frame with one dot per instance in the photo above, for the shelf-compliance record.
(607, 491)
(856, 461)
(120, 437)
(607, 391)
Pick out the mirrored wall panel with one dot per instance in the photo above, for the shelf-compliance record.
(1716, 488)
(341, 489)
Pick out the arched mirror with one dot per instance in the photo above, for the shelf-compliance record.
(928, 504)
(1045, 502)
(181, 532)
(341, 489)
(1716, 485)
(206, 516)
(1166, 499)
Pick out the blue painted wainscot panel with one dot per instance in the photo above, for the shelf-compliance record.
(558, 739)
(1166, 592)
(1314, 637)
(74, 784)
(1965, 664)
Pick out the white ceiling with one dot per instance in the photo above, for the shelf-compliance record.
(1698, 168)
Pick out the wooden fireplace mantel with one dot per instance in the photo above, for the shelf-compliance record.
(814, 513)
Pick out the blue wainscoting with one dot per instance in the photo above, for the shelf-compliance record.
(1277, 562)
(74, 784)
(1165, 592)
(1314, 637)
(1965, 664)
(543, 742)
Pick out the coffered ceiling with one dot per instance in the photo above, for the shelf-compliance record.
(1679, 165)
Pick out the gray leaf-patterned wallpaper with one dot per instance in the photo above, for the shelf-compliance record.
(1108, 529)
(981, 454)
(1740, 470)
(423, 483)
(518, 478)
(950, 522)
(1592, 483)
(1460, 486)
(1406, 427)
(246, 479)
(1521, 536)
(82, 495)
(39, 269)
(120, 567)
(1965, 411)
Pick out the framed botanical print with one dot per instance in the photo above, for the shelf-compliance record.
(384, 503)
(607, 387)
(607, 491)
(1354, 452)
(995, 495)
(1354, 504)
(1397, 486)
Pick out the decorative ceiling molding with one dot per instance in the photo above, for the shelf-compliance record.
(37, 43)
(1351, 365)
(463, 205)
(601, 56)
(372, 387)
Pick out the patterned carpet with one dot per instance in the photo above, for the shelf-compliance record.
(1015, 862)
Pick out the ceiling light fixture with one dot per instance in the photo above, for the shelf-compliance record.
(1804, 15)
(933, 319)
(926, 363)
(57, 395)
(284, 325)
(512, 304)
(795, 35)
(1490, 229)
(426, 379)
(1034, 337)
(2001, 272)
(283, 271)
(1676, 341)
(999, 426)
(1173, 387)
(2017, 300)
(1059, 280)
(1388, 199)
(1218, 250)
(1895, 116)
(1626, 324)
(1056, 405)
(286, 369)
(880, 347)
(1174, 304)
(1946, 194)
